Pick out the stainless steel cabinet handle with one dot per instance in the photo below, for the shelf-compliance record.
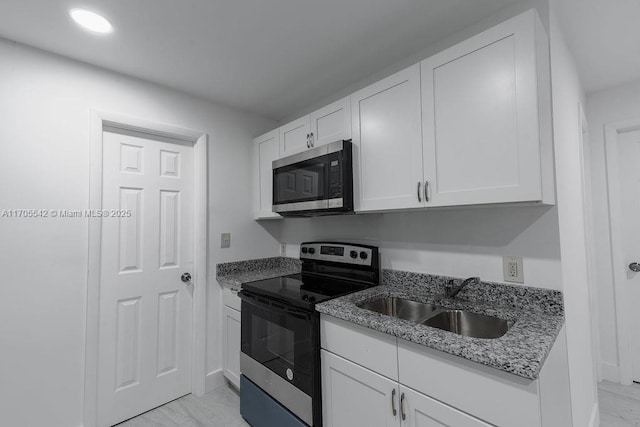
(311, 138)
(419, 194)
(426, 191)
(393, 402)
(635, 267)
(308, 146)
(403, 415)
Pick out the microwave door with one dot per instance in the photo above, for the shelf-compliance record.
(301, 183)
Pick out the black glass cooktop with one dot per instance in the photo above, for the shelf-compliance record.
(302, 290)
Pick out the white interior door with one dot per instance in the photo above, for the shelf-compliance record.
(629, 173)
(145, 307)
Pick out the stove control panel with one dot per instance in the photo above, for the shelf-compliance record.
(338, 252)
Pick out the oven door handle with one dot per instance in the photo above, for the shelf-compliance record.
(273, 305)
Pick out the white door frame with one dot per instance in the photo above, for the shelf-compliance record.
(623, 309)
(100, 120)
(589, 239)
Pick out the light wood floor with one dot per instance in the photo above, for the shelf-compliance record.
(218, 408)
(619, 405)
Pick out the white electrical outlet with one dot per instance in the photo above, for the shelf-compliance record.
(225, 240)
(512, 266)
(283, 249)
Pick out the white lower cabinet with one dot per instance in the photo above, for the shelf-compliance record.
(418, 410)
(231, 355)
(420, 387)
(356, 396)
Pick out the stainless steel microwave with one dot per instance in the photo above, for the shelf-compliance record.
(315, 182)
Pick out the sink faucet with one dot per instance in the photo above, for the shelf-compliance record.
(451, 290)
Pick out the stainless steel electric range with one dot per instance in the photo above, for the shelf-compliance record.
(280, 361)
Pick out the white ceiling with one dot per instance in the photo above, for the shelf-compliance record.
(269, 57)
(604, 36)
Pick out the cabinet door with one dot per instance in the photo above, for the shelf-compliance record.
(388, 139)
(293, 136)
(331, 123)
(266, 149)
(231, 360)
(480, 118)
(355, 396)
(420, 410)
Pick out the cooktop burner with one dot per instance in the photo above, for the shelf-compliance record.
(302, 290)
(329, 270)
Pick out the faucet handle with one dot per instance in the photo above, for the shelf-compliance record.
(449, 286)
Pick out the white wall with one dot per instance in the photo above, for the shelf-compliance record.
(567, 96)
(542, 6)
(604, 107)
(44, 134)
(456, 242)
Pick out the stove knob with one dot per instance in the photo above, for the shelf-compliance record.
(353, 254)
(312, 251)
(363, 255)
(311, 299)
(304, 249)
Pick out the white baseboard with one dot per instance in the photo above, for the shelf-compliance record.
(610, 372)
(594, 420)
(214, 380)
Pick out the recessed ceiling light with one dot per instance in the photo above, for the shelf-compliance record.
(91, 21)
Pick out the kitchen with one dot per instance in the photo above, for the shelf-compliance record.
(48, 358)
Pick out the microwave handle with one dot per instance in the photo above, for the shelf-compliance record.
(268, 305)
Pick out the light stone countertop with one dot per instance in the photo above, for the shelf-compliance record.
(538, 315)
(236, 273)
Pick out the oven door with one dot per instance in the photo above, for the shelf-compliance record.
(279, 337)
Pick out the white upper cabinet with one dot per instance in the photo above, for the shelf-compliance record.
(388, 140)
(266, 149)
(331, 123)
(470, 125)
(328, 124)
(482, 124)
(294, 137)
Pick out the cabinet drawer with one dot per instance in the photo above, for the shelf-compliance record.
(473, 388)
(230, 297)
(372, 349)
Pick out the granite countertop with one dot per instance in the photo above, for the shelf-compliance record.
(239, 272)
(538, 315)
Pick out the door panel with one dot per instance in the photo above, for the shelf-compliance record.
(266, 149)
(145, 309)
(293, 136)
(480, 118)
(232, 334)
(629, 173)
(355, 396)
(387, 137)
(422, 411)
(331, 123)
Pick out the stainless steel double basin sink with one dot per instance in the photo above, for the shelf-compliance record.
(460, 322)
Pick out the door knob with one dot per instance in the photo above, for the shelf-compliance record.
(186, 277)
(635, 267)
